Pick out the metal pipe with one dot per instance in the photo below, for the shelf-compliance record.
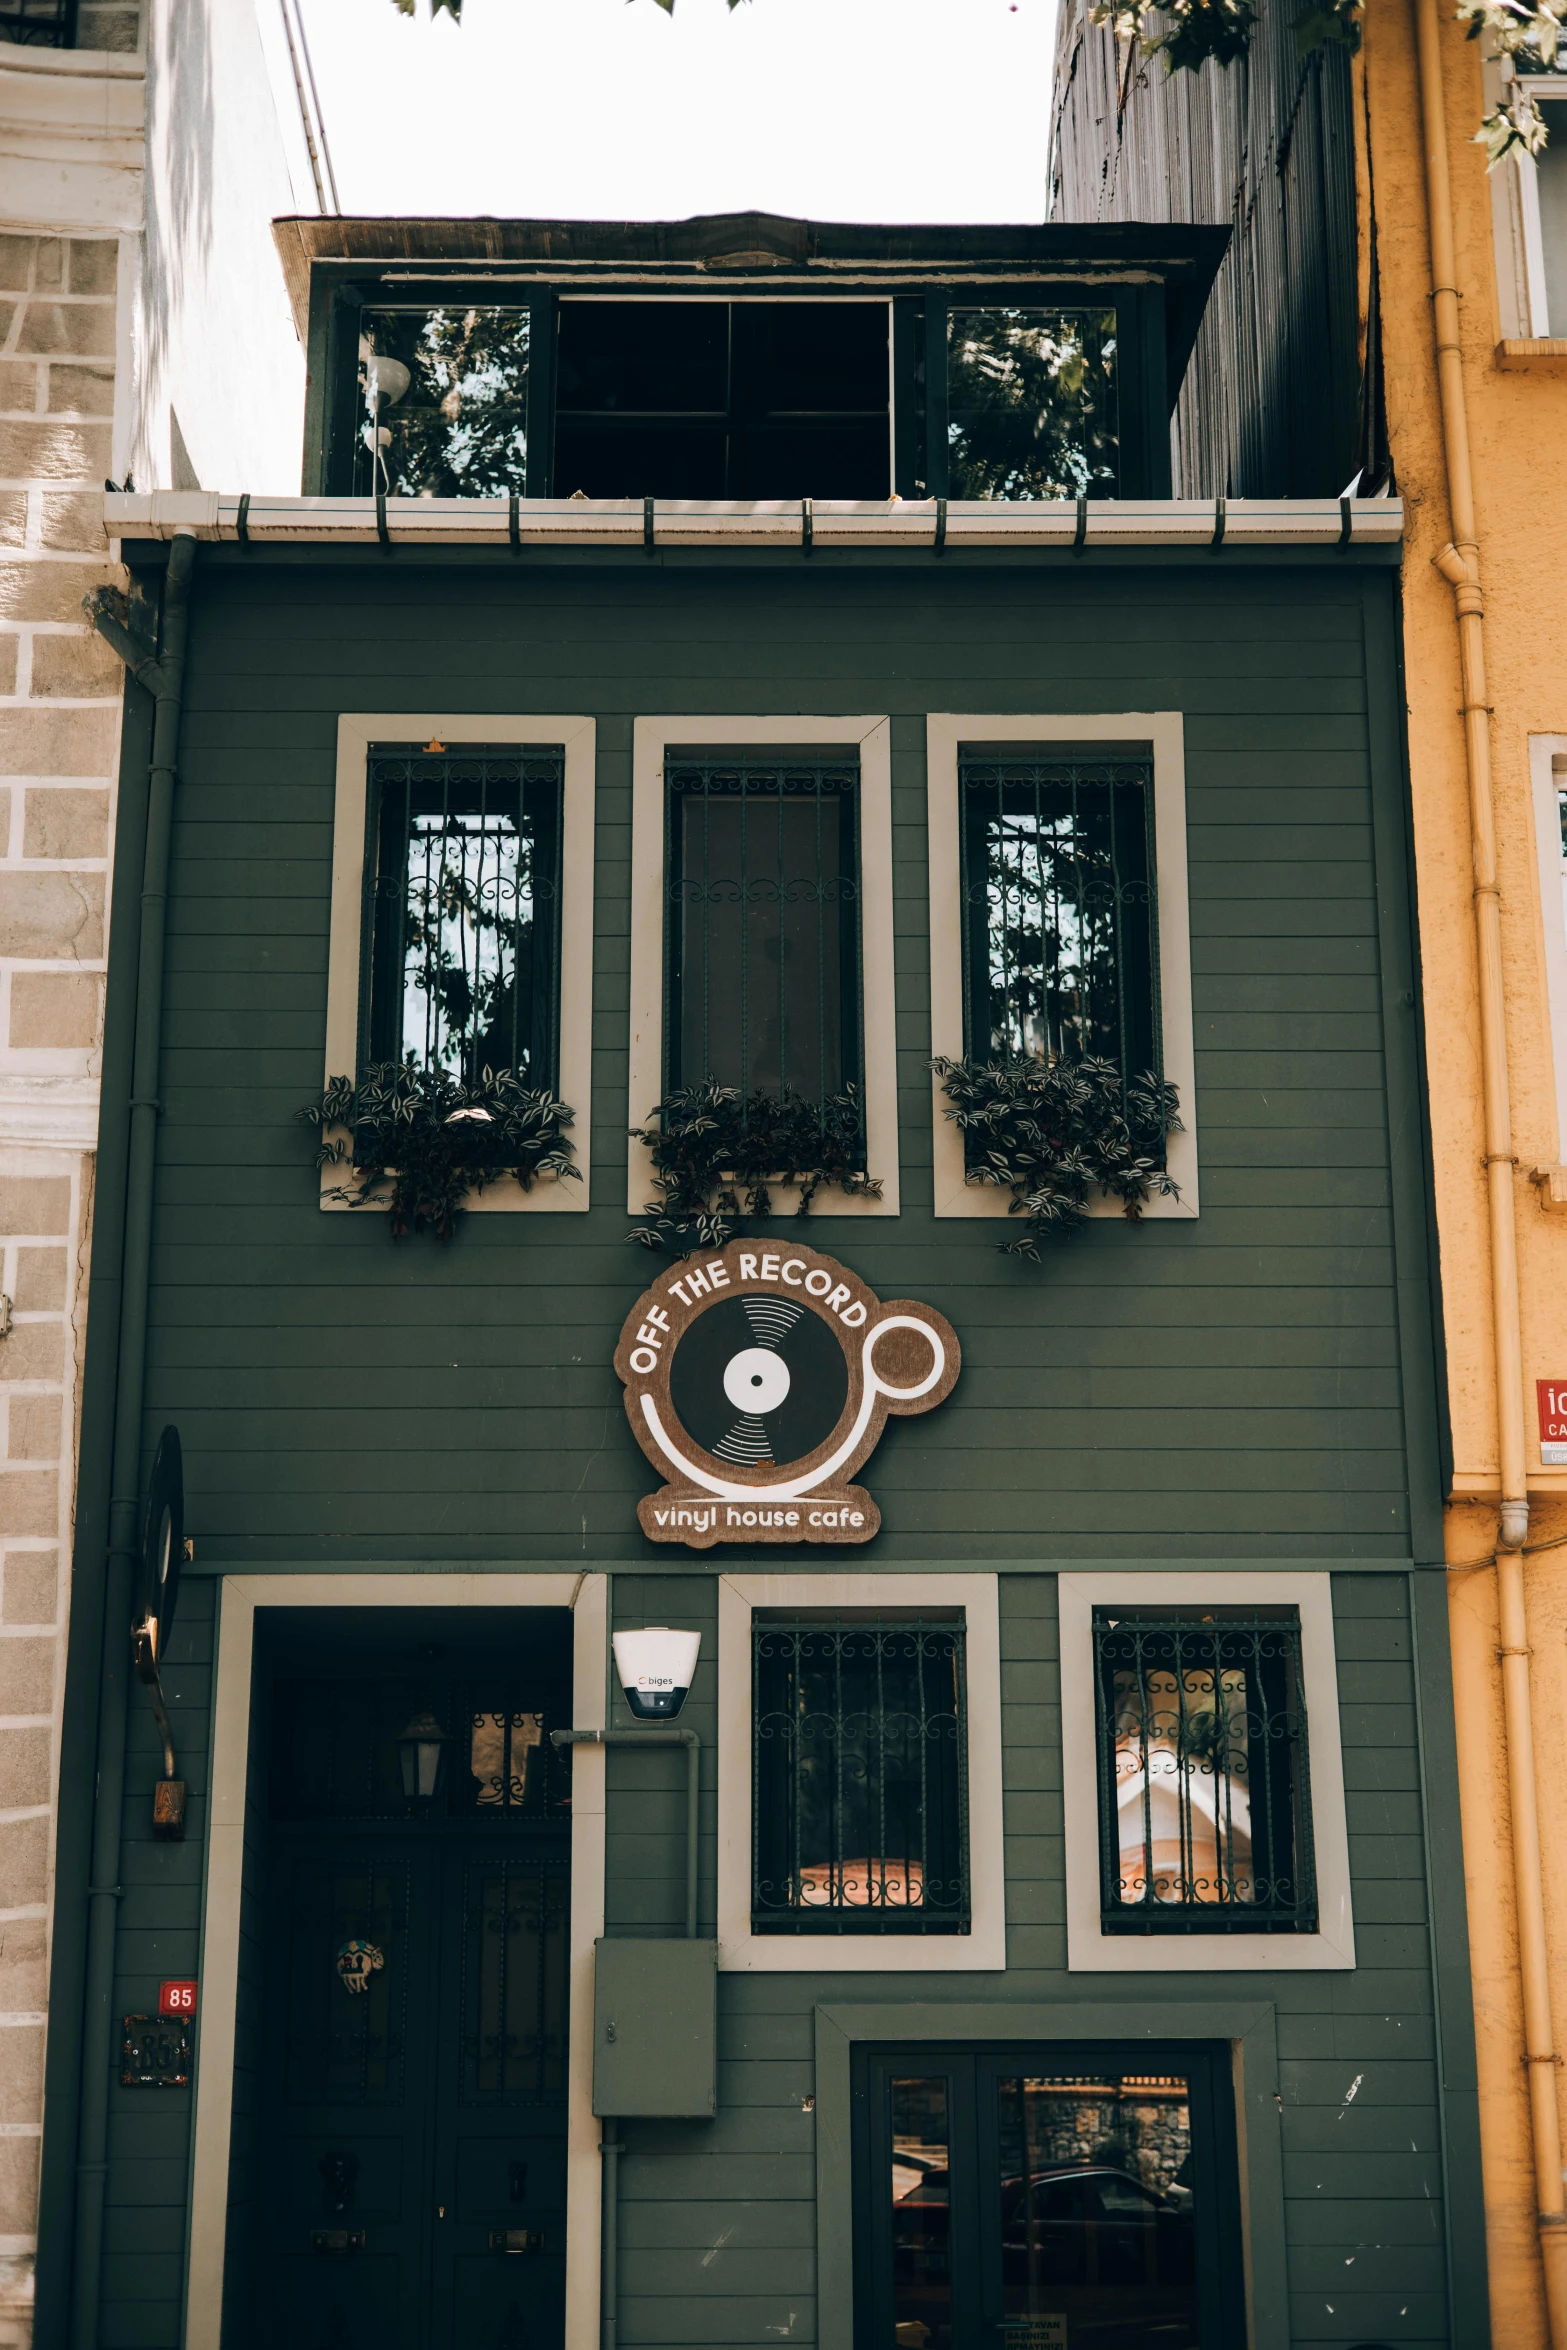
(163, 674)
(659, 1734)
(609, 2314)
(1459, 564)
(610, 2146)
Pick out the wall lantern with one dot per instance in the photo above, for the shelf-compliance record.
(419, 1751)
(655, 1667)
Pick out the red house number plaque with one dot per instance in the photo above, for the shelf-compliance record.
(176, 1999)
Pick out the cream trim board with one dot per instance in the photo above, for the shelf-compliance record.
(1090, 1951)
(1548, 777)
(646, 1071)
(356, 731)
(1163, 731)
(984, 1947)
(212, 2128)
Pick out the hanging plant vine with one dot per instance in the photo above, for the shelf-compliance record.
(1056, 1135)
(419, 1141)
(717, 1153)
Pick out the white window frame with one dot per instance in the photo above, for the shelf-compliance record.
(1089, 1950)
(873, 737)
(356, 731)
(984, 1947)
(1159, 735)
(1523, 304)
(1548, 776)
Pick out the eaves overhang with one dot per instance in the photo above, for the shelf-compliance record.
(656, 525)
(755, 253)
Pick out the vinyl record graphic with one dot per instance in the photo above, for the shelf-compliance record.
(759, 1380)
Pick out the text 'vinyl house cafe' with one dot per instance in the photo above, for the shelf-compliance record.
(860, 1773)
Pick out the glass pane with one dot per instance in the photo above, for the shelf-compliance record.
(1058, 911)
(859, 1763)
(1551, 166)
(1098, 2233)
(444, 403)
(764, 915)
(347, 1986)
(921, 2218)
(1031, 403)
(466, 901)
(514, 1965)
(1205, 1771)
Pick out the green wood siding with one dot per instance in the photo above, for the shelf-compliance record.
(1256, 1386)
(1179, 1389)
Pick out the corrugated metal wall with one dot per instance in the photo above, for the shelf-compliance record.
(1272, 402)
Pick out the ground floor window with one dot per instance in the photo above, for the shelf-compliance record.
(1047, 2197)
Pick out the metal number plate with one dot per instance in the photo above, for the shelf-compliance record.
(154, 2053)
(516, 2239)
(337, 2239)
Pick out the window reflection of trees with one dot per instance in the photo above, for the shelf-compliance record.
(444, 395)
(1031, 403)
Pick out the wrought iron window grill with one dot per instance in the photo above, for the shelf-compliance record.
(859, 1778)
(1060, 940)
(39, 24)
(514, 1982)
(1204, 1774)
(335, 1757)
(762, 931)
(461, 921)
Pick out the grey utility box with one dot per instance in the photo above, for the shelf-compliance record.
(655, 2028)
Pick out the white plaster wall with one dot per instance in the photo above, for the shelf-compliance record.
(212, 334)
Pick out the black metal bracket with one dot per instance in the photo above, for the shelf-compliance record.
(1217, 539)
(648, 544)
(1080, 537)
(381, 531)
(806, 527)
(941, 526)
(242, 520)
(1346, 528)
(514, 524)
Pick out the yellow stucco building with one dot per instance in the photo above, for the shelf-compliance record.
(1476, 405)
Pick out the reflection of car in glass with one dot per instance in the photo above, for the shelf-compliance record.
(1094, 2225)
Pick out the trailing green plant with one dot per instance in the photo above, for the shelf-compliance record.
(1056, 1134)
(432, 1140)
(717, 1153)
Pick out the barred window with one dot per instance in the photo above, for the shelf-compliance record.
(1060, 941)
(462, 909)
(1204, 1785)
(762, 938)
(859, 1783)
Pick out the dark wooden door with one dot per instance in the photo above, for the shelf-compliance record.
(409, 2187)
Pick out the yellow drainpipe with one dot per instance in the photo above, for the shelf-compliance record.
(1459, 564)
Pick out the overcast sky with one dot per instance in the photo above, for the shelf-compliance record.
(915, 110)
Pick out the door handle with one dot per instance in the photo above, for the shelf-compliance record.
(337, 2239)
(516, 2239)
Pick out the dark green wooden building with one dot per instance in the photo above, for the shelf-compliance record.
(733, 665)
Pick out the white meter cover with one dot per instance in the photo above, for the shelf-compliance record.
(655, 1668)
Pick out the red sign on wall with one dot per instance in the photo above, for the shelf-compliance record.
(176, 1999)
(1552, 1398)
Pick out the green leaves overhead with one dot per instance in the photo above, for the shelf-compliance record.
(1055, 1134)
(716, 1153)
(417, 1141)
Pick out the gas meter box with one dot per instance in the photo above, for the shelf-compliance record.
(655, 2028)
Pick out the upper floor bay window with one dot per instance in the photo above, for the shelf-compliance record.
(1204, 1788)
(1002, 387)
(762, 927)
(460, 930)
(1060, 934)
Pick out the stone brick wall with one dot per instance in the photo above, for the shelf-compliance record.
(60, 696)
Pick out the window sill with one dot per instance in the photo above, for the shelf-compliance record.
(986, 1202)
(1518, 352)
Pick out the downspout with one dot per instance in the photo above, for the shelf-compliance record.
(611, 2145)
(163, 675)
(1459, 564)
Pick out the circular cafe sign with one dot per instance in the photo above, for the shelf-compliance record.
(759, 1380)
